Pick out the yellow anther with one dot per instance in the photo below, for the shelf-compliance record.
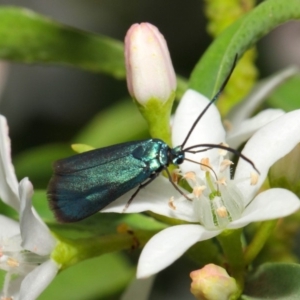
(198, 190)
(253, 178)
(225, 164)
(222, 181)
(175, 175)
(190, 175)
(222, 212)
(171, 203)
(205, 164)
(12, 262)
(223, 152)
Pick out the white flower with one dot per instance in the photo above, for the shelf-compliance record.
(25, 247)
(240, 127)
(266, 146)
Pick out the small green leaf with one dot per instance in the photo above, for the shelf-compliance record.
(274, 281)
(214, 65)
(28, 37)
(80, 148)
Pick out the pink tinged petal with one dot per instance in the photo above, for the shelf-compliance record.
(150, 73)
(268, 205)
(264, 88)
(247, 128)
(8, 179)
(35, 234)
(168, 245)
(8, 227)
(208, 130)
(264, 148)
(37, 280)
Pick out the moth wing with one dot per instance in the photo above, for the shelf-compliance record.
(76, 192)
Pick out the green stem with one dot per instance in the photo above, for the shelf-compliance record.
(166, 220)
(259, 240)
(230, 241)
(71, 251)
(157, 114)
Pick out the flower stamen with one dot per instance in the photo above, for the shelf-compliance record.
(190, 176)
(225, 164)
(205, 164)
(12, 262)
(222, 212)
(175, 175)
(253, 178)
(198, 190)
(171, 203)
(223, 152)
(222, 181)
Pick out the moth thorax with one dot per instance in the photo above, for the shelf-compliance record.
(176, 155)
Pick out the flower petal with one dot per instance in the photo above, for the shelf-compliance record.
(247, 128)
(139, 289)
(168, 245)
(35, 234)
(268, 205)
(208, 130)
(37, 280)
(8, 179)
(11, 227)
(261, 90)
(11, 286)
(155, 197)
(264, 148)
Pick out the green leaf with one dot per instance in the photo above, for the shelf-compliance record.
(211, 70)
(286, 96)
(28, 37)
(103, 224)
(274, 281)
(98, 278)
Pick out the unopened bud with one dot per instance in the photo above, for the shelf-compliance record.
(150, 73)
(212, 283)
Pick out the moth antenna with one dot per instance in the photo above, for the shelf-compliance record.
(204, 165)
(211, 102)
(234, 151)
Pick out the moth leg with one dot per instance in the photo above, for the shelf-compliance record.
(142, 185)
(175, 186)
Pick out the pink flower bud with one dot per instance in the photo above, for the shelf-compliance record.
(150, 72)
(212, 283)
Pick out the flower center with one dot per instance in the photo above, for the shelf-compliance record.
(16, 261)
(217, 200)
